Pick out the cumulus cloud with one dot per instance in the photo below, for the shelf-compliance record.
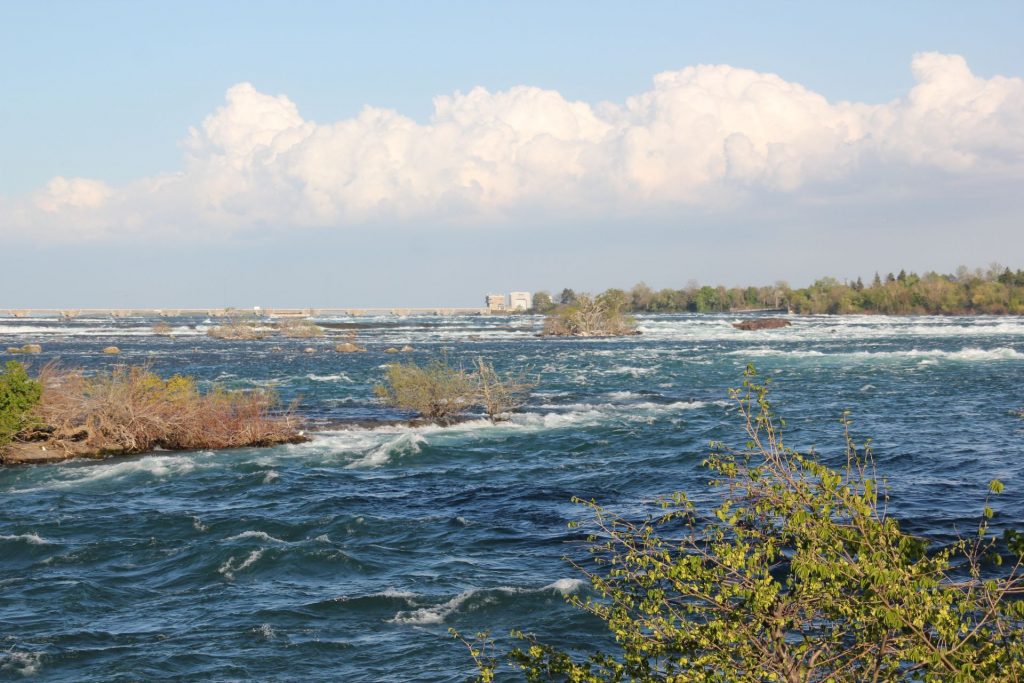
(704, 136)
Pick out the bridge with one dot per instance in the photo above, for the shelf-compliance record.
(69, 313)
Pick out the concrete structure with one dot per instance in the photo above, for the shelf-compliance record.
(496, 303)
(520, 301)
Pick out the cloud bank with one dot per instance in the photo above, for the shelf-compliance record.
(704, 137)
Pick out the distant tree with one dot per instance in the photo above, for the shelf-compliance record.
(902, 277)
(877, 282)
(641, 296)
(542, 302)
(614, 300)
(567, 296)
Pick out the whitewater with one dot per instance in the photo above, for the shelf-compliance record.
(350, 556)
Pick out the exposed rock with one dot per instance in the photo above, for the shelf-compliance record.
(112, 350)
(309, 349)
(762, 324)
(407, 349)
(391, 350)
(31, 348)
(348, 347)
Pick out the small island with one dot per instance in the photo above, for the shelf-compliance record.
(587, 316)
(65, 414)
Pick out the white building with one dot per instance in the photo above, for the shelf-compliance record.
(496, 302)
(520, 301)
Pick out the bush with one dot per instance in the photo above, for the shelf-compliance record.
(498, 395)
(439, 392)
(237, 330)
(132, 410)
(300, 329)
(799, 575)
(436, 392)
(19, 395)
(586, 316)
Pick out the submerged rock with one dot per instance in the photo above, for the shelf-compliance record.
(762, 324)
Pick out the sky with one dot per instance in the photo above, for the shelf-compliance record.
(345, 154)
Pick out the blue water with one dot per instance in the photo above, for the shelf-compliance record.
(349, 557)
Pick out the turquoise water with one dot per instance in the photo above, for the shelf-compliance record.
(349, 557)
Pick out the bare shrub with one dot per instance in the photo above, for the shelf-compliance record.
(498, 395)
(237, 330)
(132, 410)
(587, 316)
(300, 329)
(162, 328)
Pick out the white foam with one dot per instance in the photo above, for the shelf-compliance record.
(31, 538)
(437, 613)
(927, 356)
(229, 568)
(270, 477)
(261, 535)
(265, 631)
(22, 663)
(566, 586)
(340, 377)
(404, 444)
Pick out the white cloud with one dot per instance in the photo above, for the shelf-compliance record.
(702, 136)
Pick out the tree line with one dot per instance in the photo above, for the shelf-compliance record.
(996, 290)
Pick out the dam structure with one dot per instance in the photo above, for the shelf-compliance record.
(258, 312)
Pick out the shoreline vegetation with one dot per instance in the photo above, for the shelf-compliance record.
(65, 414)
(993, 291)
(129, 410)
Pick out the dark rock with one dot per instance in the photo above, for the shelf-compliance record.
(762, 324)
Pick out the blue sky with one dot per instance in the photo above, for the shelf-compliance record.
(103, 95)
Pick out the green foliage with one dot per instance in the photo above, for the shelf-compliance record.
(996, 290)
(19, 395)
(799, 575)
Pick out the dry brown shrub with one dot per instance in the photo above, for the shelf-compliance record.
(132, 410)
(237, 330)
(300, 329)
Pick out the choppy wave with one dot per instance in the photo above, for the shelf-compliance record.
(231, 566)
(29, 538)
(964, 355)
(258, 535)
(474, 599)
